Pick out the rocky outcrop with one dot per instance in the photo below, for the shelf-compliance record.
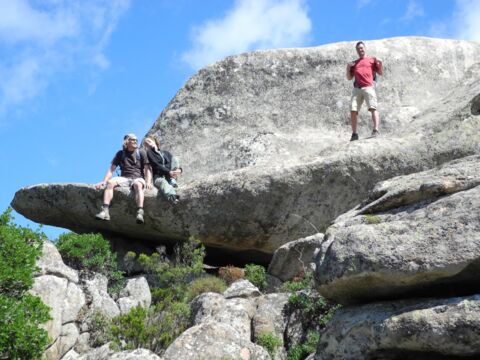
(135, 293)
(414, 241)
(428, 329)
(416, 235)
(231, 121)
(296, 258)
(57, 285)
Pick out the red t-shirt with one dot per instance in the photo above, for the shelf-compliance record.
(363, 71)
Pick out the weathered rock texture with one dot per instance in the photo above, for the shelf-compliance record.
(263, 139)
(429, 329)
(418, 235)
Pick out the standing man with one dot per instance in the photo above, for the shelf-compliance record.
(364, 70)
(135, 168)
(165, 171)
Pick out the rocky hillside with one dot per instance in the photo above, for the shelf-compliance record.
(263, 139)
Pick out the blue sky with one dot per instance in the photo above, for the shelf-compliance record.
(75, 76)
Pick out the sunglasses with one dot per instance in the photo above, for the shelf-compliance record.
(134, 140)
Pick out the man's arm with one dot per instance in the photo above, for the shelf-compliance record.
(107, 177)
(349, 70)
(378, 66)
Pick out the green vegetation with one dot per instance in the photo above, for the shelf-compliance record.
(90, 253)
(21, 313)
(301, 351)
(372, 219)
(205, 284)
(313, 311)
(269, 342)
(173, 285)
(257, 275)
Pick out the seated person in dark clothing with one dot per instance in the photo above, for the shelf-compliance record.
(135, 169)
(165, 168)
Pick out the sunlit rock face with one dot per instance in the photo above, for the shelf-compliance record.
(263, 141)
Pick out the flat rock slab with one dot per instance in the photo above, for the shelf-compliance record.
(263, 139)
(420, 330)
(428, 245)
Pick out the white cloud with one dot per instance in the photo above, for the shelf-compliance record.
(414, 10)
(44, 37)
(467, 20)
(250, 25)
(362, 3)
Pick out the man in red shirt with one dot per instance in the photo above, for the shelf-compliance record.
(364, 71)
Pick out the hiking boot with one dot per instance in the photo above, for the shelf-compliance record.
(375, 133)
(354, 137)
(103, 215)
(173, 199)
(140, 216)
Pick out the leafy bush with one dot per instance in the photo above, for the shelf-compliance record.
(257, 275)
(269, 342)
(301, 351)
(20, 312)
(293, 286)
(153, 329)
(231, 274)
(173, 284)
(90, 252)
(205, 284)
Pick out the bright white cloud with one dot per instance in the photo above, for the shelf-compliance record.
(467, 20)
(414, 10)
(44, 37)
(250, 25)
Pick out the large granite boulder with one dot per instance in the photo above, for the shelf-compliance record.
(417, 235)
(263, 139)
(403, 330)
(57, 285)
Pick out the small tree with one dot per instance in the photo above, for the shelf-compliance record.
(21, 313)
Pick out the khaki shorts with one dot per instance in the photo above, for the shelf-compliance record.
(127, 182)
(359, 95)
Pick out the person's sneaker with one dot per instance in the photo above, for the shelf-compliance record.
(140, 216)
(375, 133)
(173, 199)
(354, 137)
(103, 215)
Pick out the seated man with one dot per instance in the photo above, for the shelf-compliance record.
(135, 169)
(163, 168)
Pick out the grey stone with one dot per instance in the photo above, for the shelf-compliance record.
(294, 258)
(73, 303)
(137, 354)
(64, 343)
(413, 329)
(51, 289)
(429, 245)
(51, 263)
(270, 318)
(205, 306)
(214, 341)
(241, 112)
(96, 290)
(136, 293)
(243, 289)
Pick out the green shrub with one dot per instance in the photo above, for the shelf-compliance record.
(257, 275)
(91, 252)
(301, 351)
(303, 284)
(269, 342)
(205, 284)
(154, 329)
(21, 313)
(173, 284)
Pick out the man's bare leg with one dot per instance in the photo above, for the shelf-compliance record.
(375, 119)
(353, 121)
